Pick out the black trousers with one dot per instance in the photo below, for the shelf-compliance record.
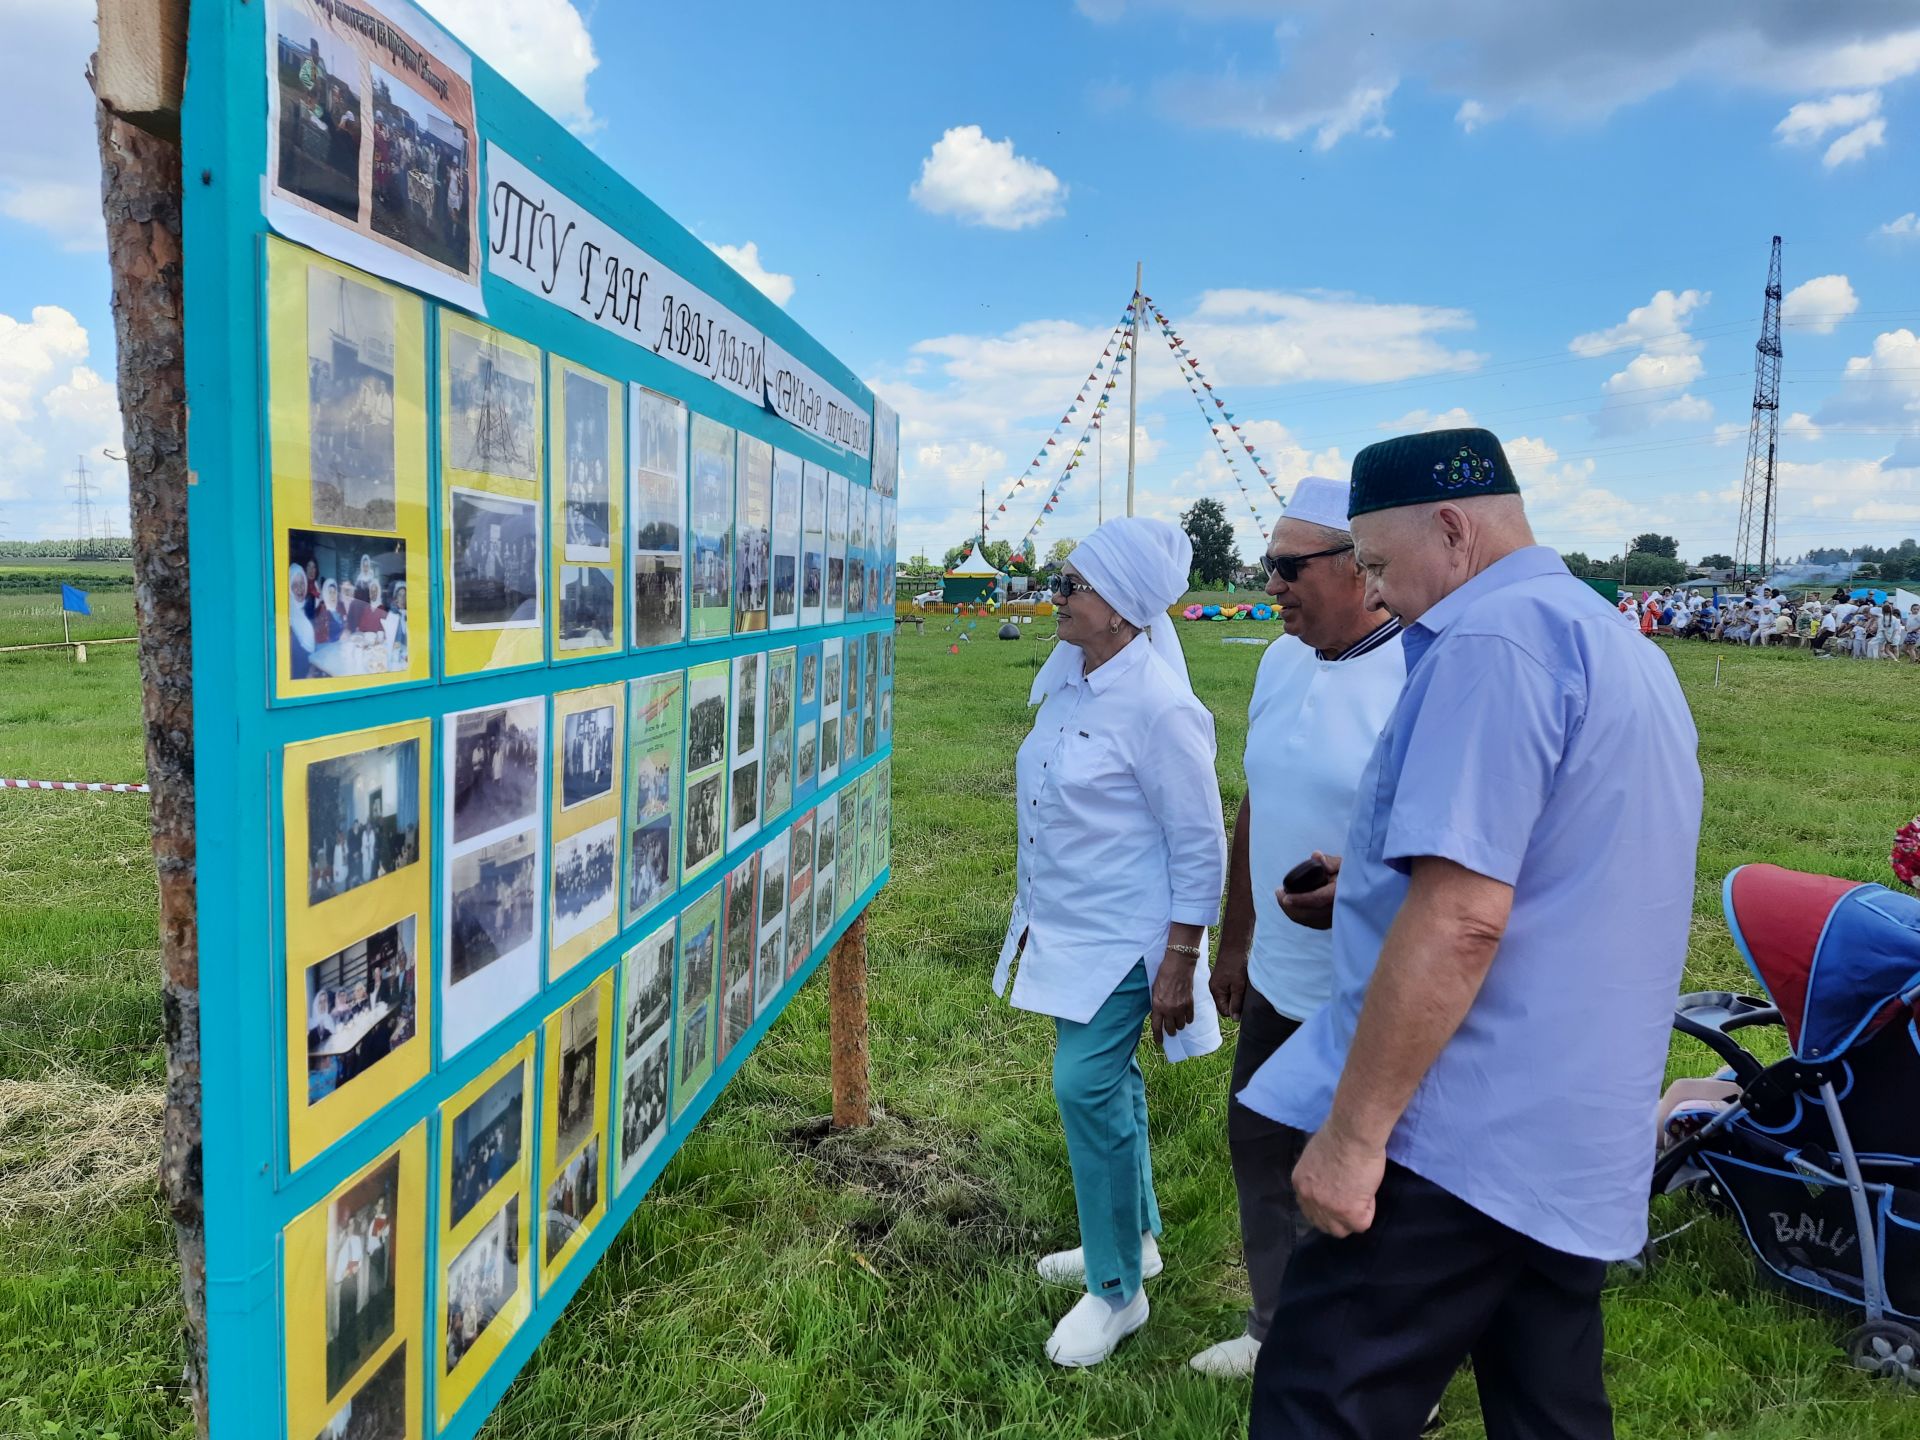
(1370, 1328)
(1264, 1153)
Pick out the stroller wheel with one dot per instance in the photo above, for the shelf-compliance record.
(1888, 1349)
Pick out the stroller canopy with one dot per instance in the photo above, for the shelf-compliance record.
(1835, 955)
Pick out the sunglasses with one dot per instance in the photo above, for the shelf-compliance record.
(1066, 586)
(1287, 567)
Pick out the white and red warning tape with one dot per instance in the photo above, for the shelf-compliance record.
(6, 784)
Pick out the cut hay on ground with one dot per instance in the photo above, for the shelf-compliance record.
(69, 1145)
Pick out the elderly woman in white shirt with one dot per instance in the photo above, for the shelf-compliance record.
(1122, 857)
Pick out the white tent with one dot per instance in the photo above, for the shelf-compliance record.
(976, 564)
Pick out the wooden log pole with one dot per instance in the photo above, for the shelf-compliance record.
(847, 1004)
(137, 75)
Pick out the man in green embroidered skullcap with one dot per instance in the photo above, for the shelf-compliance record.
(1477, 1084)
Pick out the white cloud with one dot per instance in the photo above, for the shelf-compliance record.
(542, 46)
(1660, 325)
(746, 259)
(49, 163)
(1906, 227)
(1880, 388)
(1652, 388)
(1417, 420)
(1855, 144)
(54, 408)
(983, 182)
(1564, 505)
(1811, 120)
(1270, 337)
(1471, 115)
(1820, 304)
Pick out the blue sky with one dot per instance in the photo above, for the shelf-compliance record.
(1551, 217)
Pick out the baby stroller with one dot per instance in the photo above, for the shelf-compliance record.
(1818, 1154)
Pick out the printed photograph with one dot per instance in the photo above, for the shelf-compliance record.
(695, 1032)
(649, 990)
(829, 746)
(773, 885)
(643, 1103)
(706, 721)
(780, 692)
(703, 821)
(785, 584)
(822, 904)
(746, 796)
(746, 703)
(752, 535)
(808, 762)
(363, 818)
(586, 607)
(712, 524)
(320, 114)
(886, 655)
(886, 713)
(586, 744)
(737, 1017)
(584, 867)
(769, 969)
(350, 444)
(832, 678)
(496, 768)
(378, 1409)
(824, 838)
(588, 475)
(360, 1007)
(571, 1198)
(360, 1271)
(812, 580)
(800, 850)
(849, 738)
(486, 1142)
(481, 1280)
(495, 903)
(698, 958)
(346, 604)
(422, 174)
(579, 1055)
(785, 598)
(779, 772)
(809, 678)
(659, 439)
(650, 864)
(493, 406)
(743, 917)
(496, 561)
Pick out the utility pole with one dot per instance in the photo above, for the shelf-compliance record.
(1133, 374)
(1758, 502)
(82, 509)
(983, 517)
(1100, 476)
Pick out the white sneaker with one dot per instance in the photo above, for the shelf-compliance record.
(1229, 1360)
(1090, 1330)
(1069, 1267)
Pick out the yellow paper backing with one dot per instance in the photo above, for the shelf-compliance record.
(557, 369)
(587, 814)
(305, 1288)
(470, 651)
(314, 932)
(552, 1164)
(289, 435)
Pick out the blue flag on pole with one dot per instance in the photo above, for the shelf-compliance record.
(74, 601)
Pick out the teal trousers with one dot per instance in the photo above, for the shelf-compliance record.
(1103, 1105)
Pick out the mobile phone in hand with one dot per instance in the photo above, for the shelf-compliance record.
(1307, 875)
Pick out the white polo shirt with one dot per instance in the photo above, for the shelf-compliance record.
(1310, 731)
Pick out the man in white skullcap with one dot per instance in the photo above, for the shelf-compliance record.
(1120, 859)
(1323, 694)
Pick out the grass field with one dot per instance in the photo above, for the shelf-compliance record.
(781, 1284)
(32, 616)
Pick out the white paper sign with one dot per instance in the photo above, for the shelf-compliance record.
(542, 242)
(800, 397)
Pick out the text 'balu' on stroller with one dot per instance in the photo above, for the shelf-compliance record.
(1818, 1154)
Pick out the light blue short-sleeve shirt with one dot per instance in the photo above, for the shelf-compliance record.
(1543, 744)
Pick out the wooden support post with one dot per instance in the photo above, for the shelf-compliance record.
(137, 76)
(847, 1002)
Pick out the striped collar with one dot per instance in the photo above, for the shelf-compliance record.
(1366, 644)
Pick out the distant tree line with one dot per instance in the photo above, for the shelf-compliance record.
(118, 547)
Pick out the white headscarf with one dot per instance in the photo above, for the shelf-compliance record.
(1139, 567)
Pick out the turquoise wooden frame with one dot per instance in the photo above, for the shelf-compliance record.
(250, 1194)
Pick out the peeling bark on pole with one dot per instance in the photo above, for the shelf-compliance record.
(847, 1004)
(140, 194)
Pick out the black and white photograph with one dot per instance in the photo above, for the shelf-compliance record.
(643, 1104)
(810, 677)
(807, 762)
(829, 748)
(832, 675)
(496, 562)
(746, 797)
(825, 836)
(573, 1101)
(494, 768)
(494, 905)
(586, 607)
(481, 1280)
(361, 1006)
(773, 882)
(856, 549)
(650, 863)
(350, 437)
(571, 1198)
(346, 605)
(584, 867)
(422, 174)
(586, 745)
(378, 1409)
(588, 497)
(813, 543)
(320, 135)
(822, 903)
(836, 548)
(486, 1142)
(779, 762)
(659, 440)
(752, 535)
(747, 670)
(363, 818)
(886, 655)
(493, 406)
(360, 1271)
(647, 985)
(769, 968)
(737, 1015)
(706, 720)
(886, 714)
(704, 831)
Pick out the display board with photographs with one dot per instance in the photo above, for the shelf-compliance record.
(658, 465)
(347, 373)
(493, 559)
(586, 510)
(588, 748)
(573, 1132)
(746, 748)
(656, 707)
(705, 766)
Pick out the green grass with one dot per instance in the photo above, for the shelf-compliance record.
(778, 1284)
(33, 617)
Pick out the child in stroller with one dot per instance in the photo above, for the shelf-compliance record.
(1817, 1154)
